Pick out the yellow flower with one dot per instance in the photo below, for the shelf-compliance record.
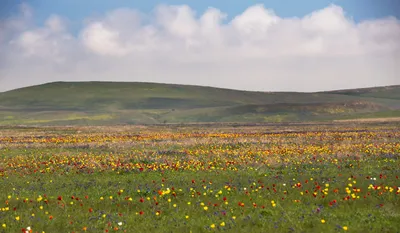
(233, 217)
(187, 216)
(212, 225)
(322, 221)
(205, 208)
(17, 218)
(345, 228)
(222, 224)
(4, 225)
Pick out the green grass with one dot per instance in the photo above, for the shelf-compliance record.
(359, 216)
(68, 186)
(109, 103)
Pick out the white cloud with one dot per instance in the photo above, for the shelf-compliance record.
(256, 50)
(102, 40)
(328, 20)
(178, 21)
(255, 22)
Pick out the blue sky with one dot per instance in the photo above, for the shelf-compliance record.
(77, 10)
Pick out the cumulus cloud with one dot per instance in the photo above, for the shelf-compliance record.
(256, 50)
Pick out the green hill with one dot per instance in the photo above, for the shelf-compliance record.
(100, 103)
(389, 92)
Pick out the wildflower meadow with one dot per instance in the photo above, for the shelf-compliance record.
(192, 178)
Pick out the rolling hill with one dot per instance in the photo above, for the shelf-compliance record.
(108, 103)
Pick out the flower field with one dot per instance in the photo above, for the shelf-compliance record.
(302, 178)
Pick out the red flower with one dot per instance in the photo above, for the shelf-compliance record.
(59, 198)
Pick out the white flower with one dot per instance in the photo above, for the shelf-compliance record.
(120, 224)
(284, 184)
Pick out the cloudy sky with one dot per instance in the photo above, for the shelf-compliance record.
(275, 45)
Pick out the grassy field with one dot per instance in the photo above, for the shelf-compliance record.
(341, 177)
(108, 103)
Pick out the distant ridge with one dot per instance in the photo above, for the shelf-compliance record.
(108, 103)
(371, 88)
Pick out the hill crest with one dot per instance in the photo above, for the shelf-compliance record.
(146, 103)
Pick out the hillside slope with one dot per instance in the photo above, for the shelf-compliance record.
(148, 103)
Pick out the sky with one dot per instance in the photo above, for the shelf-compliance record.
(275, 45)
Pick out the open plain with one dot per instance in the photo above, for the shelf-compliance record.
(201, 178)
